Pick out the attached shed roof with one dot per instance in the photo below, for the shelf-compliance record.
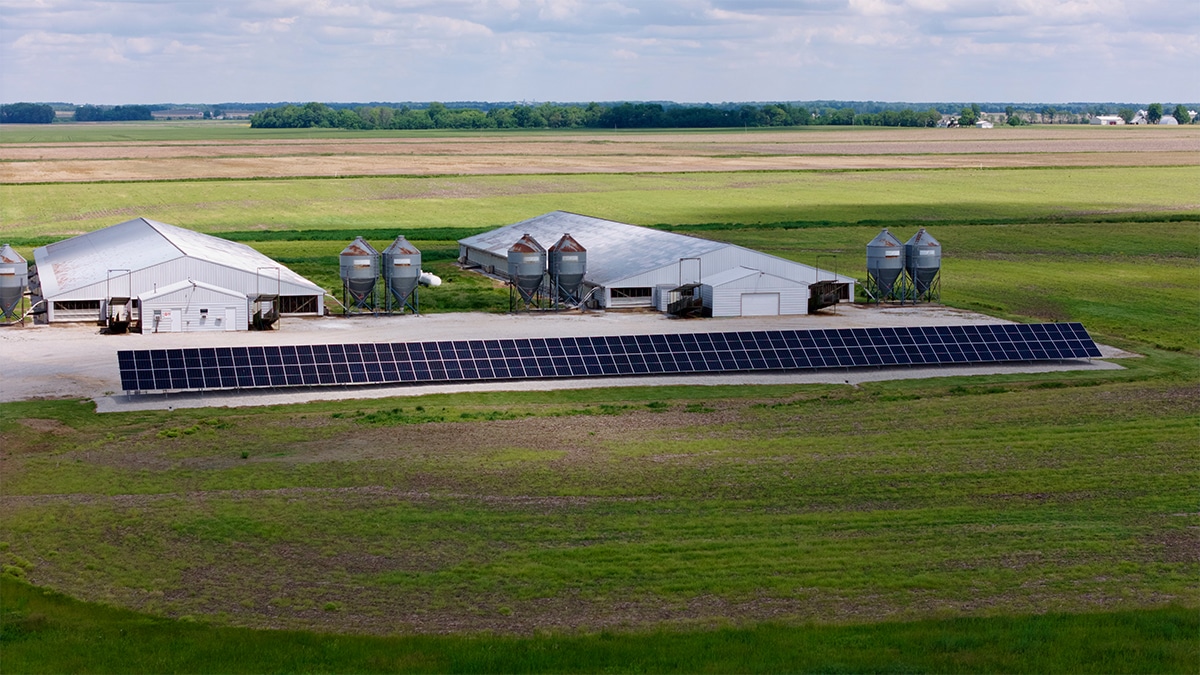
(615, 250)
(186, 284)
(739, 273)
(139, 244)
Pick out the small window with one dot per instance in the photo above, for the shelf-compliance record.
(77, 304)
(632, 292)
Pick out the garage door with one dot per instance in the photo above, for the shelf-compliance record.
(760, 304)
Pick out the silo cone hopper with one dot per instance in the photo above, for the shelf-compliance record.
(14, 278)
(885, 268)
(568, 264)
(359, 267)
(527, 267)
(923, 261)
(401, 274)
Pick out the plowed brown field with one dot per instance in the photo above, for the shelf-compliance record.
(616, 152)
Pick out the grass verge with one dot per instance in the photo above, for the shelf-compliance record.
(44, 632)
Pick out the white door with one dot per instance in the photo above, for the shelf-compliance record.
(176, 319)
(760, 304)
(231, 318)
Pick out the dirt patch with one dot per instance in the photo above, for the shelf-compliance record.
(1176, 546)
(578, 436)
(45, 426)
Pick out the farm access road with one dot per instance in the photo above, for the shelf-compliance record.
(75, 361)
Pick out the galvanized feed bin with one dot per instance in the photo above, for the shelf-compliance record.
(923, 260)
(885, 264)
(359, 264)
(527, 266)
(568, 264)
(14, 278)
(401, 269)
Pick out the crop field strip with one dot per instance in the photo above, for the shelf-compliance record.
(46, 156)
(629, 355)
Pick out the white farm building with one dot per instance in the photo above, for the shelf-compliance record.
(189, 306)
(200, 281)
(632, 266)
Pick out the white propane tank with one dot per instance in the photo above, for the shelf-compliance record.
(429, 279)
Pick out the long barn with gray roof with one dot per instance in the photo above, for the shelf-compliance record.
(77, 276)
(634, 266)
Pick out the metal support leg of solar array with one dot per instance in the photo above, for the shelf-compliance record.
(224, 368)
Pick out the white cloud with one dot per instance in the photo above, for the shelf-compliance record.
(691, 50)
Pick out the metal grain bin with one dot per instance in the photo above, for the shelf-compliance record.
(885, 265)
(923, 261)
(401, 270)
(527, 266)
(14, 278)
(568, 264)
(359, 270)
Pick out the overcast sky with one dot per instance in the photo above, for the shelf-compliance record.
(152, 51)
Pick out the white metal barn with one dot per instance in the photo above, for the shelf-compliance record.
(193, 306)
(77, 277)
(632, 266)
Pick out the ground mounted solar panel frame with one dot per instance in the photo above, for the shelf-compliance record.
(446, 361)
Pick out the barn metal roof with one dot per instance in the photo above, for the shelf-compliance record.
(615, 250)
(139, 244)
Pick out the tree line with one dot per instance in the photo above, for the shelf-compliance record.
(117, 113)
(592, 115)
(26, 113)
(42, 113)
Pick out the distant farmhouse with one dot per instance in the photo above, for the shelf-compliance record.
(1107, 120)
(1143, 117)
(178, 114)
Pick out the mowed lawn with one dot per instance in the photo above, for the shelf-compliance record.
(686, 507)
(990, 523)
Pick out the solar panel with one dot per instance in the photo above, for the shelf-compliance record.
(208, 368)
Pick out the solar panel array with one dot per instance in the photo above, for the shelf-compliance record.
(207, 368)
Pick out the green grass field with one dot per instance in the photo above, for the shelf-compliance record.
(799, 197)
(46, 632)
(1016, 523)
(691, 508)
